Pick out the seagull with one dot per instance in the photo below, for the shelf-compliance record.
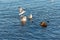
(21, 11)
(30, 17)
(23, 20)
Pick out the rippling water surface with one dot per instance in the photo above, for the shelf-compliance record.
(10, 28)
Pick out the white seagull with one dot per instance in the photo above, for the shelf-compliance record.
(21, 11)
(23, 20)
(30, 16)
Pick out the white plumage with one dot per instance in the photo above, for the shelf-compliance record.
(30, 16)
(21, 11)
(24, 18)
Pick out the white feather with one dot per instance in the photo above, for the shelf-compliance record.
(24, 18)
(21, 11)
(30, 16)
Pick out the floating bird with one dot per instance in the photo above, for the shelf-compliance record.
(23, 20)
(21, 11)
(43, 24)
(30, 17)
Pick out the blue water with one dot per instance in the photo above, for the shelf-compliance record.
(42, 10)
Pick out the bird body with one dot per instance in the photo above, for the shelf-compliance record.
(23, 20)
(43, 24)
(21, 11)
(30, 17)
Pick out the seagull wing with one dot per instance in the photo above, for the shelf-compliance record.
(22, 12)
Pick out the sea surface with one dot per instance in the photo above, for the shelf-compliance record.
(42, 10)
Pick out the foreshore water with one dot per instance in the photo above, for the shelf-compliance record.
(42, 10)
